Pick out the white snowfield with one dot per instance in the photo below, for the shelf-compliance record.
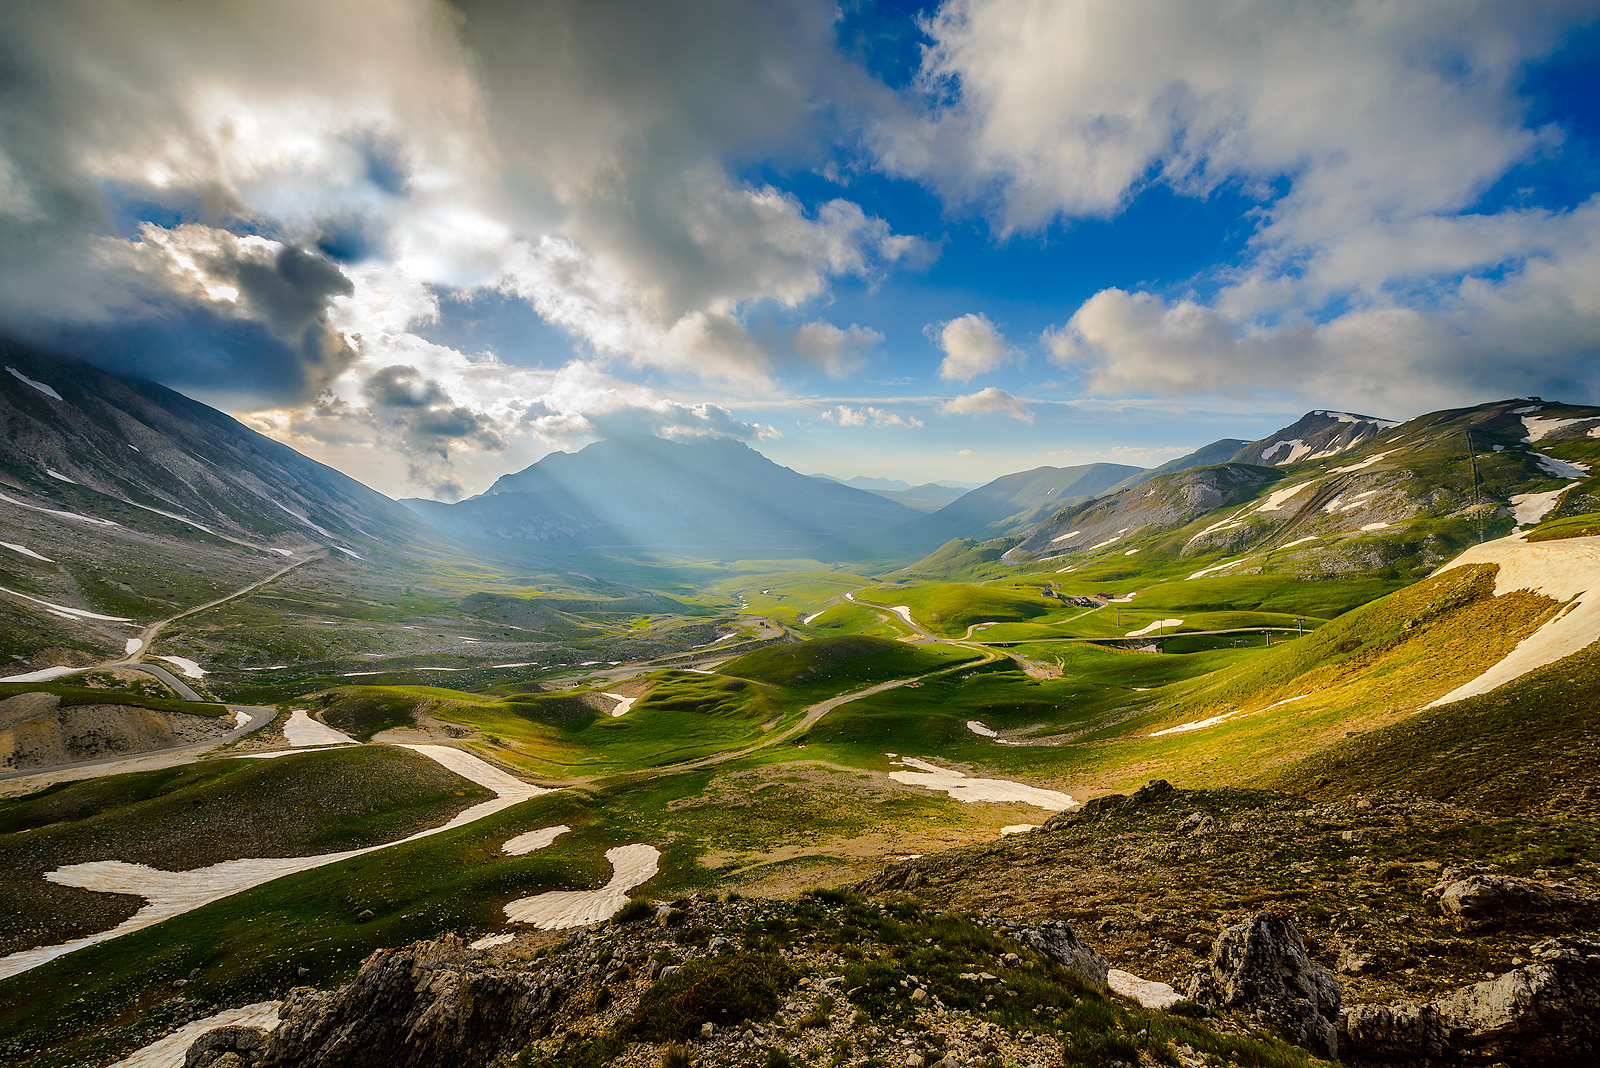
(1160, 624)
(1566, 571)
(169, 1051)
(1199, 724)
(1147, 992)
(132, 645)
(631, 866)
(981, 729)
(1528, 508)
(1213, 568)
(190, 669)
(904, 612)
(1362, 466)
(1277, 498)
(1301, 541)
(302, 731)
(59, 477)
(1064, 537)
(523, 844)
(172, 893)
(623, 703)
(40, 386)
(63, 610)
(1296, 447)
(25, 551)
(59, 513)
(1539, 429)
(1375, 526)
(814, 616)
(1562, 468)
(42, 675)
(1019, 828)
(969, 790)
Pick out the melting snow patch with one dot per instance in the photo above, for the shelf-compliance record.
(814, 616)
(1064, 537)
(172, 515)
(490, 941)
(42, 675)
(1157, 625)
(1300, 541)
(1019, 828)
(58, 512)
(302, 730)
(63, 610)
(241, 718)
(25, 551)
(57, 475)
(979, 728)
(1375, 526)
(1567, 570)
(1296, 447)
(132, 645)
(304, 520)
(347, 552)
(40, 386)
(1528, 508)
(631, 866)
(1539, 429)
(1363, 465)
(969, 790)
(1214, 567)
(623, 703)
(1561, 468)
(1276, 499)
(190, 669)
(1130, 552)
(523, 844)
(1146, 992)
(169, 1052)
(904, 612)
(1103, 544)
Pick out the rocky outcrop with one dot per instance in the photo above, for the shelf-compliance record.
(1546, 1013)
(1476, 899)
(1261, 966)
(235, 1046)
(1061, 943)
(428, 1005)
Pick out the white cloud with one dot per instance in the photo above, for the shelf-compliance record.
(972, 346)
(836, 352)
(990, 401)
(867, 416)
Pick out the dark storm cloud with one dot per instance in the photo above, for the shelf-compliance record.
(422, 420)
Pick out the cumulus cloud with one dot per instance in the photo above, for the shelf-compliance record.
(834, 351)
(868, 416)
(1366, 131)
(972, 346)
(990, 401)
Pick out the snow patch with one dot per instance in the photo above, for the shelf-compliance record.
(904, 612)
(347, 552)
(523, 844)
(58, 476)
(42, 675)
(1159, 624)
(63, 610)
(490, 941)
(1103, 544)
(40, 386)
(979, 728)
(173, 893)
(1539, 429)
(25, 551)
(1277, 498)
(1300, 541)
(1529, 508)
(302, 731)
(188, 667)
(59, 513)
(1296, 447)
(1375, 526)
(631, 866)
(1019, 828)
(132, 645)
(1567, 570)
(814, 616)
(1214, 567)
(969, 790)
(303, 519)
(1130, 552)
(169, 1052)
(1562, 468)
(623, 703)
(1066, 536)
(1362, 466)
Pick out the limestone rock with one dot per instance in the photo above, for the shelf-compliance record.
(1261, 965)
(1061, 943)
(1484, 900)
(427, 1005)
(1545, 1013)
(226, 1047)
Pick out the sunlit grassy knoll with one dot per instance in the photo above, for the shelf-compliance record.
(836, 665)
(948, 608)
(72, 696)
(846, 618)
(788, 595)
(1572, 526)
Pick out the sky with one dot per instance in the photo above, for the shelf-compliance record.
(429, 243)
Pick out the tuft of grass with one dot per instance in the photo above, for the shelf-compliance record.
(726, 990)
(637, 908)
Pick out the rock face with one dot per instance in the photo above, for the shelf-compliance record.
(1061, 943)
(1480, 900)
(1546, 1013)
(227, 1047)
(1261, 965)
(428, 1005)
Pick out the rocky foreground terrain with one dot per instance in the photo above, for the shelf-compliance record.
(1474, 973)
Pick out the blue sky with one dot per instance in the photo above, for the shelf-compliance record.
(430, 243)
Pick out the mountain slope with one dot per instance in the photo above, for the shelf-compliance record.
(123, 502)
(716, 496)
(1314, 436)
(1218, 452)
(1012, 502)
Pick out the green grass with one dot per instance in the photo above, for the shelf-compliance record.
(1572, 526)
(948, 608)
(841, 663)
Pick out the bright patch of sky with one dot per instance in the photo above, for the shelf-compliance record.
(920, 241)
